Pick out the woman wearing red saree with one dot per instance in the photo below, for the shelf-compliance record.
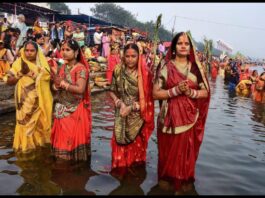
(183, 91)
(113, 60)
(71, 131)
(131, 91)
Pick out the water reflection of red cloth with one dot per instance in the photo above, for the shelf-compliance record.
(125, 156)
(178, 152)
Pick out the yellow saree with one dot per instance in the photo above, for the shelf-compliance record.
(33, 100)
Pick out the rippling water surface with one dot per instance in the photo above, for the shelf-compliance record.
(231, 159)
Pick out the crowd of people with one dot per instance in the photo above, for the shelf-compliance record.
(240, 77)
(51, 72)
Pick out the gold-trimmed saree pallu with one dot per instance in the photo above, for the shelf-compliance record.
(33, 100)
(127, 128)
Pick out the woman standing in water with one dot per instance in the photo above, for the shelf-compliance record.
(31, 75)
(131, 91)
(183, 91)
(71, 131)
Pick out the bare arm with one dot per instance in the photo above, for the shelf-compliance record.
(79, 88)
(159, 93)
(11, 79)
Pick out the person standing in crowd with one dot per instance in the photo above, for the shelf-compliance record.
(98, 38)
(37, 27)
(39, 39)
(105, 44)
(6, 59)
(131, 91)
(68, 33)
(57, 33)
(113, 60)
(21, 25)
(31, 75)
(5, 24)
(184, 95)
(79, 36)
(234, 76)
(259, 89)
(71, 131)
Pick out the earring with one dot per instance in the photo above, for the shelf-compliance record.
(173, 52)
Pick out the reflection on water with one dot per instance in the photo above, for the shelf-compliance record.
(231, 160)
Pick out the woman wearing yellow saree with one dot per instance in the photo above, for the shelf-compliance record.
(31, 75)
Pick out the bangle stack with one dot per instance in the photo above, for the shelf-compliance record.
(193, 93)
(173, 92)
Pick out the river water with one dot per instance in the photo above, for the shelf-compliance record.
(231, 159)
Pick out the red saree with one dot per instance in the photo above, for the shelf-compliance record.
(113, 60)
(178, 151)
(135, 152)
(71, 131)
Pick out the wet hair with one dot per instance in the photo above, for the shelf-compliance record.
(35, 45)
(174, 43)
(131, 46)
(74, 46)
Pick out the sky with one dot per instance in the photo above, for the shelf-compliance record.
(239, 25)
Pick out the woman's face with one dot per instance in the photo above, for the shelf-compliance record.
(183, 46)
(30, 52)
(67, 52)
(131, 58)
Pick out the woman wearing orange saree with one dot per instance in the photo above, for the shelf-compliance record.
(134, 109)
(6, 59)
(31, 75)
(259, 89)
(71, 131)
(183, 91)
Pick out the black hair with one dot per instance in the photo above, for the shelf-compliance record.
(35, 45)
(74, 46)
(131, 46)
(174, 43)
(38, 36)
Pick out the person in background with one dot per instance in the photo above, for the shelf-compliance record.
(98, 39)
(105, 44)
(6, 59)
(259, 90)
(79, 36)
(21, 25)
(113, 60)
